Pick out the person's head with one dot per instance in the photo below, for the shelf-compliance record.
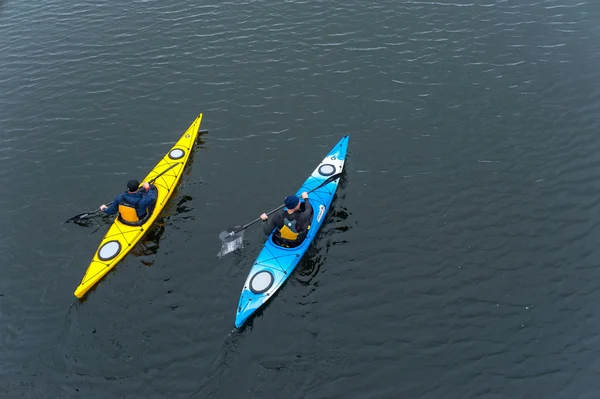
(292, 202)
(133, 185)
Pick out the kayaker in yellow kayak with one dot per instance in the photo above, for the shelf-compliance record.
(291, 224)
(134, 204)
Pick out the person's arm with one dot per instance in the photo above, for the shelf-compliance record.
(269, 224)
(114, 207)
(308, 209)
(306, 215)
(149, 197)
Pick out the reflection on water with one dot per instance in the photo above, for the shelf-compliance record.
(181, 206)
(314, 258)
(148, 246)
(309, 266)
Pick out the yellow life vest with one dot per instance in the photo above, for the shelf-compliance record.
(289, 232)
(128, 213)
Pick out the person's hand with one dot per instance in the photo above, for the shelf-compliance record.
(146, 186)
(103, 207)
(305, 195)
(264, 216)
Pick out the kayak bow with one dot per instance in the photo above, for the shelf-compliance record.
(275, 263)
(121, 238)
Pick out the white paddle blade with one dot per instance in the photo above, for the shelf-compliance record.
(231, 242)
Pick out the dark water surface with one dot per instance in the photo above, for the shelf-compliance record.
(460, 259)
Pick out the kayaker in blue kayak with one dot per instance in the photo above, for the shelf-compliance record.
(291, 224)
(134, 204)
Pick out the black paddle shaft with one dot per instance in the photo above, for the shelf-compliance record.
(329, 180)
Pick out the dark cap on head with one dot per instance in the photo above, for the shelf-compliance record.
(291, 202)
(133, 185)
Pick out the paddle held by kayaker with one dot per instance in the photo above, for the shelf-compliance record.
(134, 204)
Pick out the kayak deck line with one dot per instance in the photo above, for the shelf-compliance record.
(121, 238)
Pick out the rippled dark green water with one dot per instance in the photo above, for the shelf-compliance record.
(460, 259)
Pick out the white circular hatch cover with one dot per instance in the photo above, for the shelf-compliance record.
(326, 169)
(261, 282)
(177, 153)
(109, 250)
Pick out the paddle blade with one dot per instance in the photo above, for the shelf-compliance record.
(231, 242)
(81, 218)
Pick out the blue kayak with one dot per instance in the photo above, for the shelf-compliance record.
(275, 263)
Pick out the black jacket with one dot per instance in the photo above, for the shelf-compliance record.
(302, 217)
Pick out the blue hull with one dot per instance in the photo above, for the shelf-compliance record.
(274, 264)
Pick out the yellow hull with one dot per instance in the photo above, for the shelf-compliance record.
(121, 238)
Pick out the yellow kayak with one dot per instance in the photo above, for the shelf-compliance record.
(121, 238)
